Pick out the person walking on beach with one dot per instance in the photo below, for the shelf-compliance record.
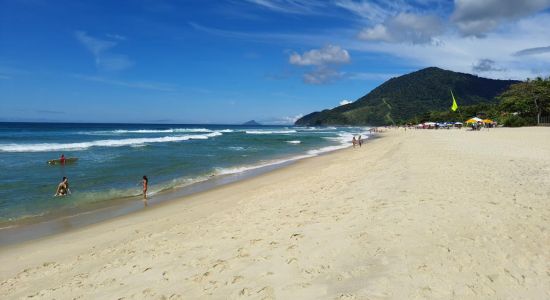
(145, 183)
(354, 141)
(63, 188)
(359, 141)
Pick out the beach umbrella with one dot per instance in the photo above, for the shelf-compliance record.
(488, 121)
(474, 120)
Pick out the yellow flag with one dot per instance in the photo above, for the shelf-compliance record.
(455, 106)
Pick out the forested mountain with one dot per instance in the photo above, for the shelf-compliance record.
(412, 95)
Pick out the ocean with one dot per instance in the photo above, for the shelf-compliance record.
(112, 158)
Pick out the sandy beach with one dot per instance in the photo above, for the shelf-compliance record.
(435, 214)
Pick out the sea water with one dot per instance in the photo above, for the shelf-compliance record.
(112, 158)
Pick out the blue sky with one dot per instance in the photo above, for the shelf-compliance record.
(230, 61)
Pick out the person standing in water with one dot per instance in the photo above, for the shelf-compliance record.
(62, 160)
(145, 183)
(63, 187)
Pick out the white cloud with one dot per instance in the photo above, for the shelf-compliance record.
(329, 54)
(371, 11)
(323, 61)
(486, 65)
(129, 84)
(458, 53)
(344, 102)
(322, 75)
(291, 6)
(533, 51)
(405, 27)
(286, 120)
(477, 17)
(94, 45)
(99, 49)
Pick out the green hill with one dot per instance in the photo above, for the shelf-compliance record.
(412, 95)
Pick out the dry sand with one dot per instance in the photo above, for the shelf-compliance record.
(417, 214)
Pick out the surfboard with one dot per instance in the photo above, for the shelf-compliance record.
(69, 160)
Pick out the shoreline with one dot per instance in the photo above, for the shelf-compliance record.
(37, 227)
(402, 217)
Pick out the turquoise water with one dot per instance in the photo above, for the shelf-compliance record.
(112, 158)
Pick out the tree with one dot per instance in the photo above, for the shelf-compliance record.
(529, 99)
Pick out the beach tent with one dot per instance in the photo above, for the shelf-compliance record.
(488, 121)
(458, 123)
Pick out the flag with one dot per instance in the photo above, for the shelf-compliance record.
(455, 106)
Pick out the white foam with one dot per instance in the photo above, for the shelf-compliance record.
(226, 130)
(316, 128)
(138, 145)
(270, 131)
(171, 130)
(45, 147)
(294, 142)
(345, 142)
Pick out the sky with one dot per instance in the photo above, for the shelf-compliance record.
(230, 61)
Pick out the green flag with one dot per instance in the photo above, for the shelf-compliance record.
(455, 106)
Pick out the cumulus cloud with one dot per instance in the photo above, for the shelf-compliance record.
(99, 48)
(533, 51)
(457, 53)
(476, 18)
(485, 65)
(324, 63)
(329, 54)
(405, 27)
(344, 102)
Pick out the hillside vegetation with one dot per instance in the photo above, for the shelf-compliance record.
(411, 97)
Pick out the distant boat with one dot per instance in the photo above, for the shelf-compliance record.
(69, 160)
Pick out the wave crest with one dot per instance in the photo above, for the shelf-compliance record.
(47, 147)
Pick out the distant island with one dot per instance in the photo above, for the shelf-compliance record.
(252, 123)
(411, 98)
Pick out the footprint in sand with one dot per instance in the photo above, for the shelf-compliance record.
(241, 252)
(236, 279)
(296, 236)
(244, 292)
(266, 292)
(220, 265)
(254, 241)
(291, 260)
(201, 277)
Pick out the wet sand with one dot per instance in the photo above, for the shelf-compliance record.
(415, 214)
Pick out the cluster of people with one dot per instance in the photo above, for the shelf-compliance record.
(357, 141)
(63, 186)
